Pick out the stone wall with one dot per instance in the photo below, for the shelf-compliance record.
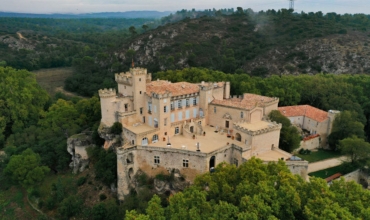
(310, 144)
(156, 160)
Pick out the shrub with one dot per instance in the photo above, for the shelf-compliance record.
(116, 128)
(81, 180)
(102, 197)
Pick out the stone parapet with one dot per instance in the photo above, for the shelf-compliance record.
(272, 127)
(105, 93)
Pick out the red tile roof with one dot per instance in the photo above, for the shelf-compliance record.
(304, 110)
(180, 88)
(249, 101)
(333, 177)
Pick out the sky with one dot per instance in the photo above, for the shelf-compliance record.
(88, 6)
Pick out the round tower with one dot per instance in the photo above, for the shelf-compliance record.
(107, 104)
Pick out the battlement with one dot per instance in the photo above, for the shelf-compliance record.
(105, 93)
(245, 127)
(138, 71)
(123, 78)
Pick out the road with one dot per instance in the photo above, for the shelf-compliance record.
(324, 164)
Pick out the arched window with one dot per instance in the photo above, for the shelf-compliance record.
(144, 141)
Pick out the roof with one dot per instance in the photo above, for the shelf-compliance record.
(333, 177)
(249, 101)
(180, 88)
(304, 110)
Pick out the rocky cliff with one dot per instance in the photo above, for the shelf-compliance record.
(292, 44)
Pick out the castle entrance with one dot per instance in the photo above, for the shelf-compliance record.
(226, 124)
(212, 162)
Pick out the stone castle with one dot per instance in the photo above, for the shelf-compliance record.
(186, 127)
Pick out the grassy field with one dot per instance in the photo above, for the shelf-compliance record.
(327, 172)
(52, 80)
(319, 155)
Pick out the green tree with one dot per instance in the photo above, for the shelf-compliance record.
(155, 210)
(116, 128)
(345, 125)
(70, 207)
(145, 27)
(26, 169)
(289, 135)
(132, 30)
(22, 101)
(356, 148)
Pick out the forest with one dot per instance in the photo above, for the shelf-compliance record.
(35, 126)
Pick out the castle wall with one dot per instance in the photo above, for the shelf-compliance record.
(265, 142)
(298, 168)
(271, 106)
(218, 93)
(310, 144)
(224, 114)
(130, 161)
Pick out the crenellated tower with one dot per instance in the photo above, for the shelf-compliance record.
(108, 106)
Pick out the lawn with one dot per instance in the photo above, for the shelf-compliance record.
(319, 155)
(327, 172)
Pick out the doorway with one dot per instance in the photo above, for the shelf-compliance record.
(212, 162)
(192, 129)
(226, 124)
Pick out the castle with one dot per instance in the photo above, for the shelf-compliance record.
(188, 127)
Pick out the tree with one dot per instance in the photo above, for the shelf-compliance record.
(132, 30)
(25, 168)
(116, 128)
(356, 148)
(145, 27)
(289, 136)
(345, 125)
(22, 101)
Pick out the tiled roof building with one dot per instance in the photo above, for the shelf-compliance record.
(188, 127)
(312, 119)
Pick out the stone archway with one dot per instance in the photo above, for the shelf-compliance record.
(238, 137)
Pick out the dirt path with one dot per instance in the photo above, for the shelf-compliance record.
(21, 36)
(325, 164)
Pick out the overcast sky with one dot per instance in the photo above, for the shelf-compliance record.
(85, 6)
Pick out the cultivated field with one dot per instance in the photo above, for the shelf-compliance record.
(52, 80)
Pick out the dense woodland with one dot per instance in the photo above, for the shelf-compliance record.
(34, 126)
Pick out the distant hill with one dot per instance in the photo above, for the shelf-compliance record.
(127, 14)
(264, 43)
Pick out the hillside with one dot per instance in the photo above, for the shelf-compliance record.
(261, 43)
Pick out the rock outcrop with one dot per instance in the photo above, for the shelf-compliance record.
(76, 146)
(111, 140)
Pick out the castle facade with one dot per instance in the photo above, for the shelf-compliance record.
(188, 127)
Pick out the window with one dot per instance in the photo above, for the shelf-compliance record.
(126, 107)
(140, 79)
(141, 111)
(165, 109)
(241, 114)
(185, 163)
(155, 138)
(214, 109)
(177, 130)
(179, 104)
(149, 107)
(235, 162)
(187, 103)
(172, 106)
(194, 101)
(165, 122)
(140, 92)
(156, 160)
